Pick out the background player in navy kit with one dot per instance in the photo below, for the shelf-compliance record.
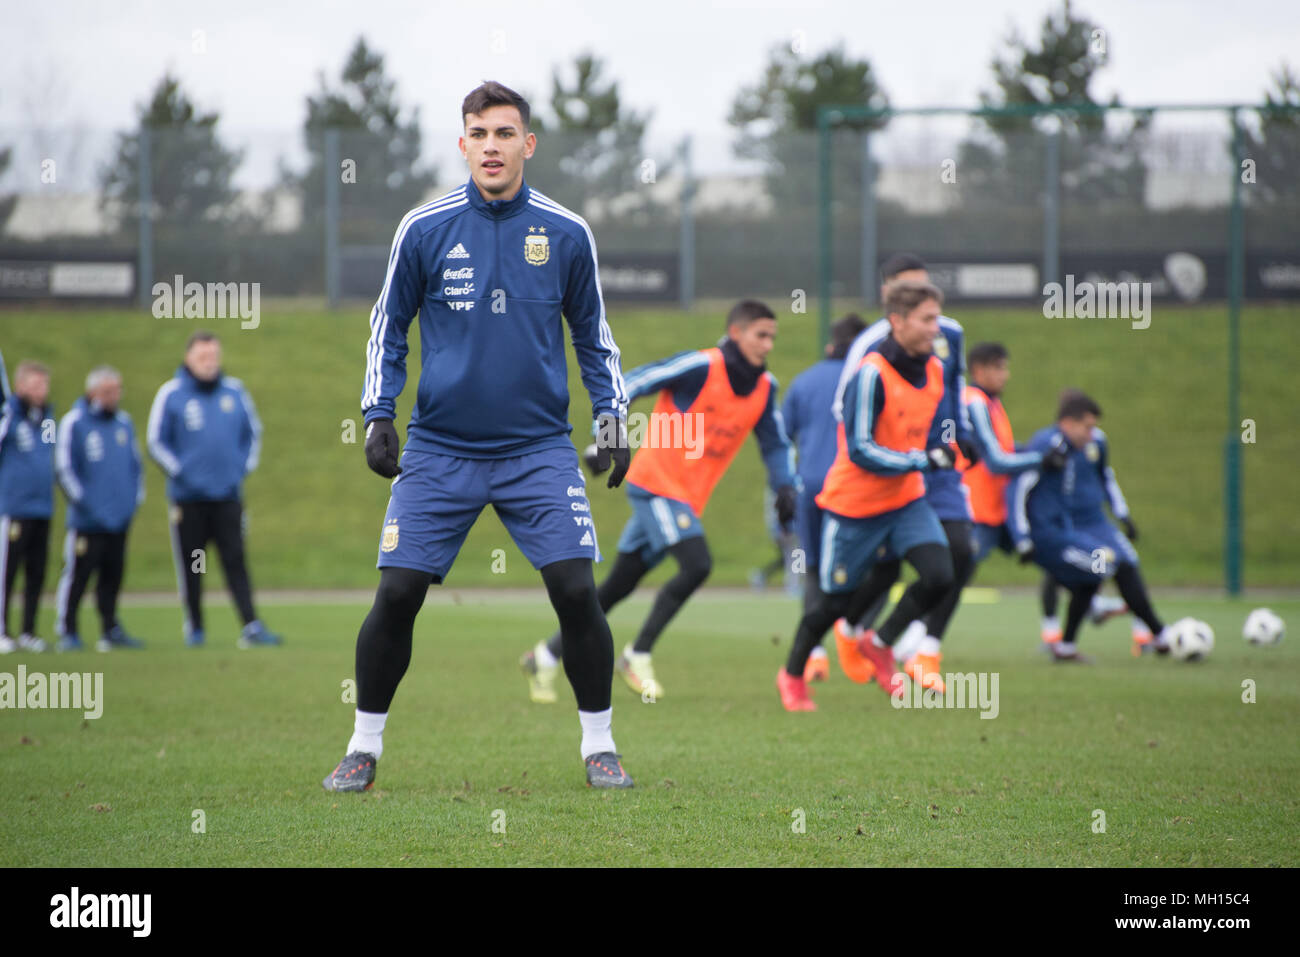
(919, 645)
(811, 426)
(490, 268)
(101, 474)
(205, 434)
(26, 497)
(1056, 520)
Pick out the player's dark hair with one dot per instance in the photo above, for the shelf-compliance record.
(900, 262)
(904, 296)
(746, 311)
(201, 336)
(1075, 404)
(843, 331)
(492, 93)
(986, 354)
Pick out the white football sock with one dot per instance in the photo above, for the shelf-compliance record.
(876, 642)
(368, 733)
(818, 652)
(542, 655)
(596, 734)
(909, 640)
(1051, 624)
(1066, 648)
(637, 656)
(1140, 630)
(929, 646)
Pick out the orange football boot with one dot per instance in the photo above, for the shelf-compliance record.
(924, 670)
(856, 668)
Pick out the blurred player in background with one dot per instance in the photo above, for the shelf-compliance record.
(786, 540)
(718, 396)
(874, 493)
(811, 425)
(27, 438)
(1056, 521)
(205, 435)
(102, 476)
(491, 268)
(919, 647)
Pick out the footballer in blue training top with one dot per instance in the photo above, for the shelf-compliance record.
(490, 268)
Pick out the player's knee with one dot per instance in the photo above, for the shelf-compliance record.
(698, 569)
(570, 586)
(401, 591)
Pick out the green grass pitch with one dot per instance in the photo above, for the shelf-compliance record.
(1185, 772)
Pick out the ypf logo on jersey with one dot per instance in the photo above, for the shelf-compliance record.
(537, 247)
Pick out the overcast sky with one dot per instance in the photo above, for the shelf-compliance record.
(89, 63)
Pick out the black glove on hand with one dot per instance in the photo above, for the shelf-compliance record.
(940, 457)
(1054, 458)
(382, 448)
(611, 445)
(786, 497)
(1130, 529)
(1026, 551)
(970, 450)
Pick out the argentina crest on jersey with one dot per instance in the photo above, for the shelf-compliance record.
(537, 246)
(941, 349)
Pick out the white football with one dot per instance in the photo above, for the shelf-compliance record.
(1263, 627)
(1190, 639)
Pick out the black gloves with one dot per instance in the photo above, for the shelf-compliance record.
(786, 497)
(1130, 529)
(940, 457)
(970, 450)
(1054, 458)
(382, 448)
(611, 445)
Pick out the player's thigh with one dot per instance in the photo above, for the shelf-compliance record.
(1072, 559)
(1106, 536)
(808, 526)
(849, 547)
(431, 506)
(541, 499)
(915, 524)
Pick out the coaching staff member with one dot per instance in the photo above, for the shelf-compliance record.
(205, 434)
(99, 469)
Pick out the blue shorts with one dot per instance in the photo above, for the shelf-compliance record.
(1083, 555)
(989, 537)
(850, 546)
(948, 495)
(656, 523)
(540, 497)
(808, 525)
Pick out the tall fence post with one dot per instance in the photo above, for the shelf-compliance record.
(870, 287)
(332, 216)
(144, 256)
(1232, 440)
(1052, 206)
(824, 243)
(686, 244)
